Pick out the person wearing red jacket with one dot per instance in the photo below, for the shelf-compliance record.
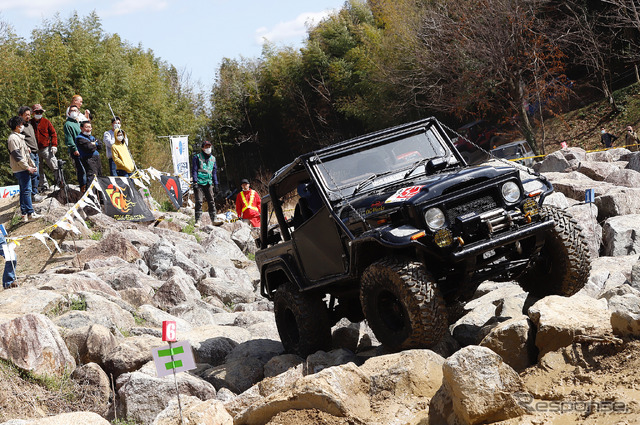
(47, 139)
(248, 204)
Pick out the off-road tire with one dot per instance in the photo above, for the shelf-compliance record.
(302, 320)
(564, 262)
(402, 304)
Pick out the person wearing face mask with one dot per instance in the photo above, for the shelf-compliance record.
(121, 155)
(631, 139)
(47, 139)
(607, 138)
(71, 131)
(32, 143)
(89, 155)
(76, 100)
(204, 173)
(109, 139)
(22, 166)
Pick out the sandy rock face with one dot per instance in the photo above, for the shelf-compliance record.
(32, 343)
(196, 411)
(560, 320)
(477, 387)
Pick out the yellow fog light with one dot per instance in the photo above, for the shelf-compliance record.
(530, 207)
(443, 238)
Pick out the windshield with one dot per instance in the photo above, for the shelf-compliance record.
(511, 151)
(385, 158)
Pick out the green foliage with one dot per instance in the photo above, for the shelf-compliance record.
(167, 206)
(67, 303)
(96, 236)
(124, 422)
(251, 256)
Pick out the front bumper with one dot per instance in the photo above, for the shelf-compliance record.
(499, 240)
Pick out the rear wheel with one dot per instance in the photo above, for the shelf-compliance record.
(563, 265)
(402, 304)
(302, 320)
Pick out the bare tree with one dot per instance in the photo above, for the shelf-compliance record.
(586, 33)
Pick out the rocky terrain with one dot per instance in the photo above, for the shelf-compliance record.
(92, 321)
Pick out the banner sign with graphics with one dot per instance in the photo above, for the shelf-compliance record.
(122, 201)
(180, 155)
(171, 185)
(9, 191)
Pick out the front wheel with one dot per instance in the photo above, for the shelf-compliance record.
(563, 265)
(402, 304)
(302, 320)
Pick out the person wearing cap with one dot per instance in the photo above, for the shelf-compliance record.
(248, 204)
(47, 140)
(631, 139)
(204, 173)
(30, 139)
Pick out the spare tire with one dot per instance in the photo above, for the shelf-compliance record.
(402, 304)
(563, 265)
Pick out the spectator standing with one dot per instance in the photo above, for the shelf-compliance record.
(631, 139)
(76, 101)
(32, 143)
(204, 174)
(71, 131)
(9, 275)
(121, 156)
(109, 139)
(607, 138)
(248, 204)
(22, 166)
(47, 139)
(89, 155)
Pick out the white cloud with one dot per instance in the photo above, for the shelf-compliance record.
(34, 8)
(292, 30)
(127, 7)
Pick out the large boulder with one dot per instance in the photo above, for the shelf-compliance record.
(229, 292)
(193, 410)
(84, 418)
(514, 341)
(619, 235)
(477, 387)
(142, 396)
(130, 354)
(90, 344)
(608, 273)
(210, 342)
(597, 170)
(76, 282)
(95, 309)
(163, 255)
(627, 178)
(617, 201)
(340, 391)
(113, 244)
(554, 162)
(587, 216)
(625, 314)
(179, 288)
(32, 343)
(556, 329)
(95, 382)
(25, 300)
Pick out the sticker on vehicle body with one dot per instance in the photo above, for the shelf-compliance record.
(404, 194)
(403, 231)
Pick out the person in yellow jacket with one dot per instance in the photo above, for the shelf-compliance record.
(121, 155)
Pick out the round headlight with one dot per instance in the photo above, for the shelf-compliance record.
(510, 192)
(435, 218)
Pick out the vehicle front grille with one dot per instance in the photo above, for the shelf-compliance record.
(478, 206)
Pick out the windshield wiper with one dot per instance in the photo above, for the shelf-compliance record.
(416, 165)
(369, 180)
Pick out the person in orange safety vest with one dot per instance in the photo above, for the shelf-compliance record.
(248, 204)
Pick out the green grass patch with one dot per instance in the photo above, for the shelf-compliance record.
(96, 236)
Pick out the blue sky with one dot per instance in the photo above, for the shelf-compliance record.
(193, 35)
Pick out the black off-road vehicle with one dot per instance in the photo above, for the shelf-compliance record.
(393, 226)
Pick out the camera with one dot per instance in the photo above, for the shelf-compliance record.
(61, 163)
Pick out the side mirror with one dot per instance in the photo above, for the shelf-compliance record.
(436, 164)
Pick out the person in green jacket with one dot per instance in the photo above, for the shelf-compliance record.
(71, 131)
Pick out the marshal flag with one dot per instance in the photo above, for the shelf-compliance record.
(172, 186)
(122, 201)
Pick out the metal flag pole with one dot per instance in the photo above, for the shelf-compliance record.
(175, 381)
